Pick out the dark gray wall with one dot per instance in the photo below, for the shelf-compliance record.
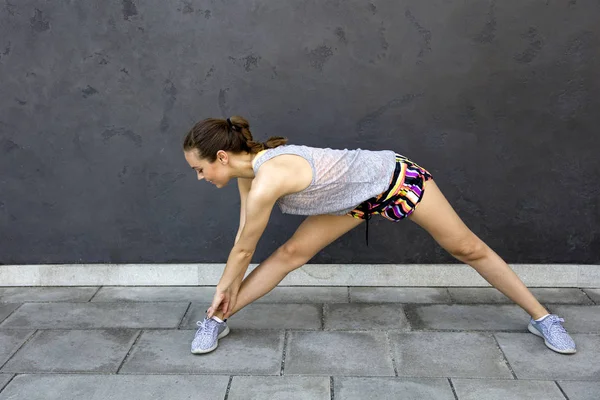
(500, 100)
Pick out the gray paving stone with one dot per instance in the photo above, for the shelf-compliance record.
(309, 295)
(73, 351)
(581, 390)
(279, 388)
(241, 352)
(115, 387)
(4, 379)
(33, 294)
(298, 294)
(338, 353)
(398, 295)
(10, 341)
(6, 309)
(494, 296)
(364, 316)
(448, 354)
(531, 359)
(496, 389)
(467, 317)
(96, 315)
(153, 293)
(581, 319)
(265, 316)
(471, 295)
(204, 294)
(347, 388)
(561, 296)
(257, 353)
(594, 294)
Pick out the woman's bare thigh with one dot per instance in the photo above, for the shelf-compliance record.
(435, 214)
(318, 231)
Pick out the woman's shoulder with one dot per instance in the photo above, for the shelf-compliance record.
(287, 170)
(268, 154)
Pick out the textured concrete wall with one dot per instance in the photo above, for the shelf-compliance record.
(498, 99)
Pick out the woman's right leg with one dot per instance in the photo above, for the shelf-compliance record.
(313, 234)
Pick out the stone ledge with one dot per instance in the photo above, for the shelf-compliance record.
(405, 275)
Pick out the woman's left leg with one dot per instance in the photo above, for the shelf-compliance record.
(437, 217)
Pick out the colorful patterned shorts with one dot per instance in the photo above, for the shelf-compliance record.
(402, 196)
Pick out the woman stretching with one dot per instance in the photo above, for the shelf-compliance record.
(337, 189)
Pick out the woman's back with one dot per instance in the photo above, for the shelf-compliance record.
(341, 179)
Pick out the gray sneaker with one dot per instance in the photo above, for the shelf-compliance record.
(555, 336)
(208, 335)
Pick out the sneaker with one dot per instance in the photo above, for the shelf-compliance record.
(555, 336)
(208, 335)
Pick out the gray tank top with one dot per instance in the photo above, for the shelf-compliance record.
(342, 179)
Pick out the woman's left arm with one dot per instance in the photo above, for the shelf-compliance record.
(258, 211)
(259, 204)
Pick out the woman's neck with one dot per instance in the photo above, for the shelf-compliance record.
(242, 165)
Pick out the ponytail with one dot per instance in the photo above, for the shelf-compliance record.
(231, 134)
(240, 125)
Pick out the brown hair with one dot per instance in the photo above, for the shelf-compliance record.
(232, 134)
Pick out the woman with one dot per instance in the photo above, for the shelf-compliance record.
(337, 189)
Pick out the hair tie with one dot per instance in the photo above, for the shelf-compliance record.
(229, 124)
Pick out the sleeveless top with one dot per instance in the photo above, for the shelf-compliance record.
(342, 179)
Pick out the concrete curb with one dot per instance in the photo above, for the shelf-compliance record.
(431, 275)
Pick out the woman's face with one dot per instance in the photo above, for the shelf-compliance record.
(215, 173)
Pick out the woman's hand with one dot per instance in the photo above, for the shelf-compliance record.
(224, 300)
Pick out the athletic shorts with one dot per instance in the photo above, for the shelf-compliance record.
(401, 197)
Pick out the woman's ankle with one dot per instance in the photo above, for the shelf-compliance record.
(219, 314)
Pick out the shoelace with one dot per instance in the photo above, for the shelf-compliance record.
(205, 327)
(555, 326)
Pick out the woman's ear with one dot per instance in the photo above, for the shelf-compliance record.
(222, 157)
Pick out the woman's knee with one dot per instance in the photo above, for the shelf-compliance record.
(468, 249)
(291, 255)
